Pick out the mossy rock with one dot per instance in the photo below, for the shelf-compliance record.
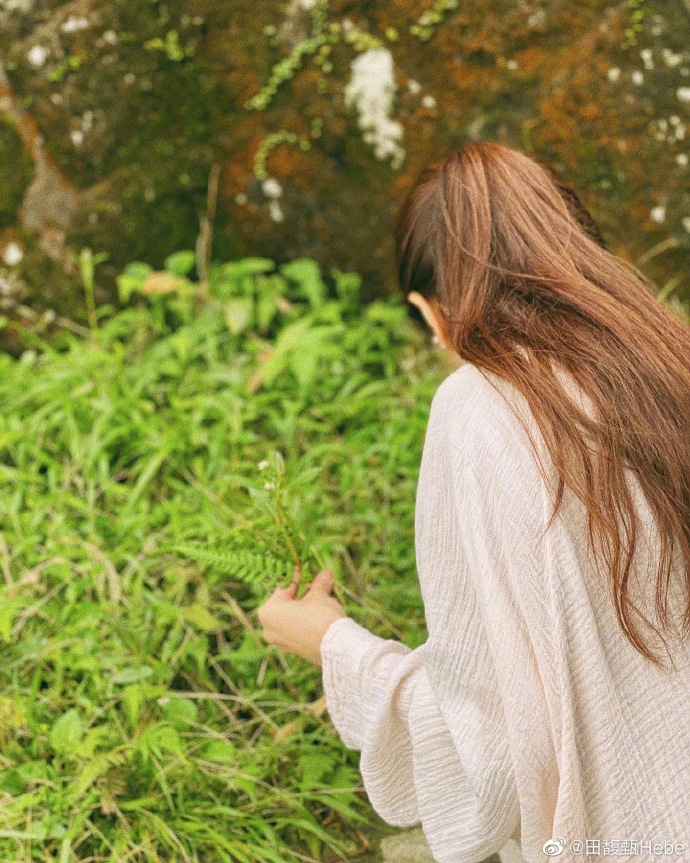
(16, 173)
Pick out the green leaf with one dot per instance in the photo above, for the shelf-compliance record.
(238, 314)
(277, 462)
(246, 267)
(67, 732)
(220, 751)
(8, 611)
(132, 278)
(200, 617)
(180, 263)
(159, 737)
(134, 674)
(11, 783)
(306, 272)
(315, 765)
(180, 712)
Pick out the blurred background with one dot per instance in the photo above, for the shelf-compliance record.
(308, 120)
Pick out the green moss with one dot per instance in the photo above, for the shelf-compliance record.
(16, 173)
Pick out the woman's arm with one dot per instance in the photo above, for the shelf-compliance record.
(443, 762)
(441, 728)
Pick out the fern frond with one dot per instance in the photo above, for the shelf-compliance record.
(244, 565)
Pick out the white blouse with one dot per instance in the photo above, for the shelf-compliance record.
(526, 713)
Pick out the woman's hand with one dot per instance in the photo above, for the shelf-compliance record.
(299, 625)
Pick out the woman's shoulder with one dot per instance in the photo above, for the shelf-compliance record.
(482, 415)
(471, 396)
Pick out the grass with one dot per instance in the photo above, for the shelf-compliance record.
(158, 479)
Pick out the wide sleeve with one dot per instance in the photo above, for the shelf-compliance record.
(431, 724)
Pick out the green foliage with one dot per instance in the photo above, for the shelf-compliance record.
(242, 565)
(427, 22)
(273, 140)
(637, 17)
(70, 64)
(171, 46)
(157, 480)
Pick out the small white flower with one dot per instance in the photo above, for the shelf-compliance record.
(275, 211)
(429, 102)
(682, 159)
(512, 64)
(658, 214)
(269, 486)
(414, 86)
(685, 221)
(670, 58)
(683, 94)
(614, 73)
(77, 137)
(240, 198)
(272, 188)
(637, 77)
(110, 37)
(74, 23)
(37, 56)
(646, 55)
(12, 254)
(263, 464)
(537, 18)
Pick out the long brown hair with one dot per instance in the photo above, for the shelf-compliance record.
(524, 280)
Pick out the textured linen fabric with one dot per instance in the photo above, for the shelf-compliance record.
(526, 713)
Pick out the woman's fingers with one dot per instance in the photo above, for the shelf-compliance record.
(322, 583)
(290, 591)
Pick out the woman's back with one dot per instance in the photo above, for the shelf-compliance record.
(599, 736)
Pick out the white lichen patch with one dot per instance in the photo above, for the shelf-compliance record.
(671, 58)
(37, 56)
(75, 23)
(271, 188)
(12, 254)
(646, 54)
(371, 89)
(275, 211)
(537, 18)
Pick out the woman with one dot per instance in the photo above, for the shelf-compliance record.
(551, 701)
